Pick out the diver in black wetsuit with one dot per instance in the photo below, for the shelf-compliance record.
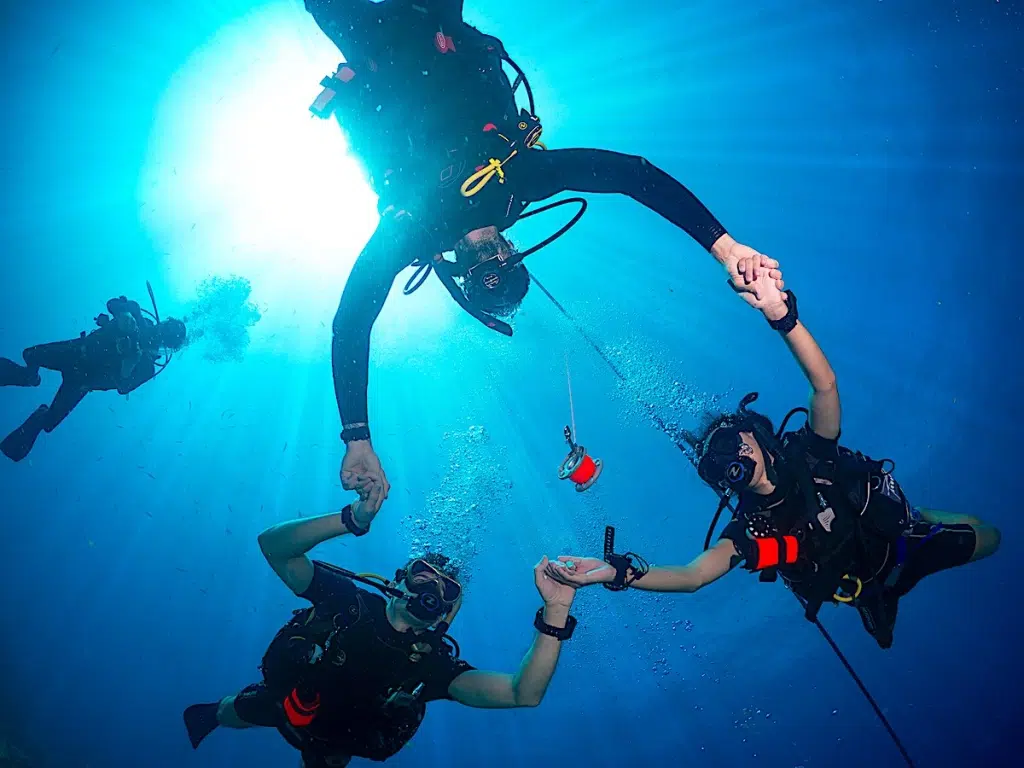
(430, 112)
(353, 675)
(122, 354)
(833, 523)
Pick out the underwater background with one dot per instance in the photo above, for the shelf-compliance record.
(875, 148)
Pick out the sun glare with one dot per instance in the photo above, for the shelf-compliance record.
(240, 178)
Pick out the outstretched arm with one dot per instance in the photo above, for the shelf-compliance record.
(706, 568)
(392, 248)
(551, 172)
(526, 688)
(825, 411)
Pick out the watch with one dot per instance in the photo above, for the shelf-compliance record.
(559, 633)
(787, 322)
(355, 433)
(349, 522)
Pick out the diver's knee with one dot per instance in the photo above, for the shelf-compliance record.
(987, 541)
(227, 715)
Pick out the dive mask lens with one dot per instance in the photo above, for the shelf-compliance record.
(421, 577)
(721, 464)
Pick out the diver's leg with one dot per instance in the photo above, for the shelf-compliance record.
(60, 356)
(937, 543)
(69, 395)
(352, 25)
(252, 707)
(14, 375)
(987, 536)
(17, 445)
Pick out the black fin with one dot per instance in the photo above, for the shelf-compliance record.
(200, 722)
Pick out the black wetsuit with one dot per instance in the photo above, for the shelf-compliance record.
(897, 547)
(439, 97)
(375, 661)
(111, 357)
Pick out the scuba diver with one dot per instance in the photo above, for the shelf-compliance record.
(352, 675)
(833, 523)
(129, 347)
(430, 112)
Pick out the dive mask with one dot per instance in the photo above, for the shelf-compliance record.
(721, 464)
(432, 593)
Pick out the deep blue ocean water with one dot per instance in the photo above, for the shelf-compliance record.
(875, 148)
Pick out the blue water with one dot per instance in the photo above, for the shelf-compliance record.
(874, 147)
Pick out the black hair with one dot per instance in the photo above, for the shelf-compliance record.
(172, 333)
(710, 421)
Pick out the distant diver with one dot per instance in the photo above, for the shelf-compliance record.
(352, 675)
(833, 523)
(432, 116)
(129, 347)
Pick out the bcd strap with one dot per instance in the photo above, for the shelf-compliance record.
(526, 135)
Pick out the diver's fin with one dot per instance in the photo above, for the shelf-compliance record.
(200, 722)
(14, 375)
(17, 445)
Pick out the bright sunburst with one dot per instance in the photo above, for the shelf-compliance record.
(241, 179)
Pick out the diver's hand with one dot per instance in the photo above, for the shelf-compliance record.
(365, 510)
(361, 469)
(555, 594)
(580, 571)
(746, 265)
(768, 298)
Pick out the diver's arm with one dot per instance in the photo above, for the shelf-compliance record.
(367, 289)
(526, 688)
(707, 567)
(825, 411)
(285, 546)
(140, 373)
(551, 172)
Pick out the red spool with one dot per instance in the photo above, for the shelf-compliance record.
(585, 471)
(580, 468)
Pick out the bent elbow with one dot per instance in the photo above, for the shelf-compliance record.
(825, 384)
(265, 540)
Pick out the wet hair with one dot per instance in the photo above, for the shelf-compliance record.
(443, 563)
(468, 253)
(710, 421)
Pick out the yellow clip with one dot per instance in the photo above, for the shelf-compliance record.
(478, 180)
(854, 596)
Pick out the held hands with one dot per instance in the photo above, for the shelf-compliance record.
(747, 267)
(555, 593)
(361, 472)
(579, 571)
(364, 510)
(768, 298)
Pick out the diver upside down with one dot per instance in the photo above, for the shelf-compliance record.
(429, 110)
